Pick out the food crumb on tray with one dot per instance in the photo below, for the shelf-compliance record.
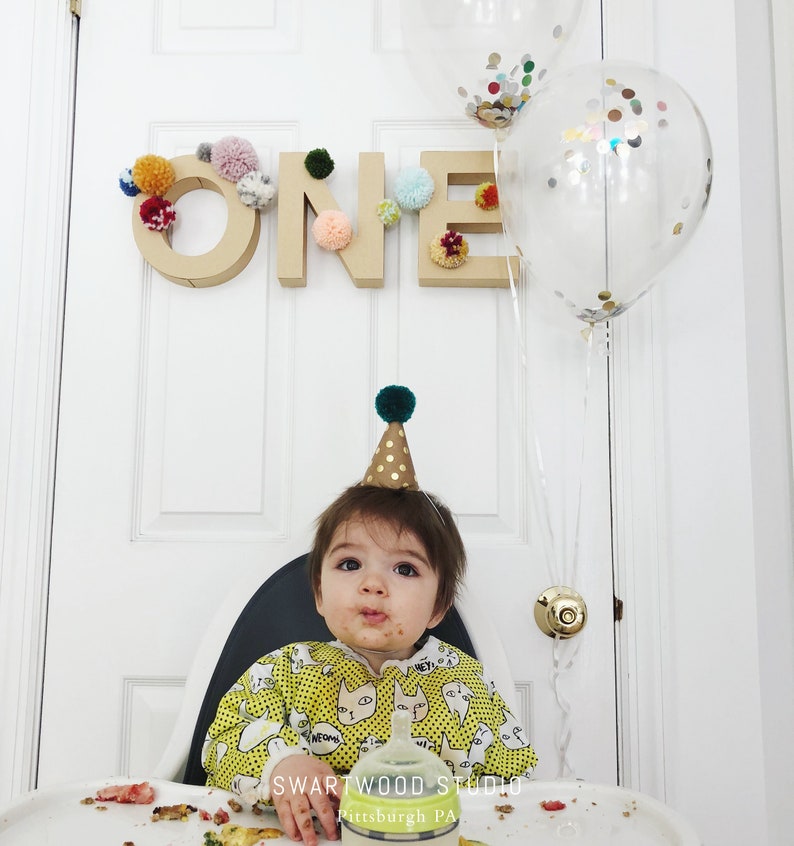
(553, 805)
(238, 835)
(141, 793)
(173, 812)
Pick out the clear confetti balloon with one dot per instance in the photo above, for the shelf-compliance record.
(485, 59)
(603, 182)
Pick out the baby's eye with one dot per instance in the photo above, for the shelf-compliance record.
(405, 570)
(349, 564)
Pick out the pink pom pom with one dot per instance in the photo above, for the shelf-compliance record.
(332, 230)
(233, 158)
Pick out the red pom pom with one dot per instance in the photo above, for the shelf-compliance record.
(157, 213)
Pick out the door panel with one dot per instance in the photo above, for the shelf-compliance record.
(202, 430)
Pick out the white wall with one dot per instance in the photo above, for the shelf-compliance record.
(708, 363)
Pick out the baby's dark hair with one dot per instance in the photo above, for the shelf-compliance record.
(415, 511)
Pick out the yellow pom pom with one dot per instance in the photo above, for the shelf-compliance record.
(153, 174)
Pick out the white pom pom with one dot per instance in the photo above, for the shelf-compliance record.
(255, 190)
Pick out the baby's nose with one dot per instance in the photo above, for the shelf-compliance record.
(373, 584)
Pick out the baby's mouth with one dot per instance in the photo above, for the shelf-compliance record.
(372, 616)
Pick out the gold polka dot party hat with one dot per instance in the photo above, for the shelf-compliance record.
(391, 465)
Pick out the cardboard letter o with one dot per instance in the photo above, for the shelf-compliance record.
(231, 254)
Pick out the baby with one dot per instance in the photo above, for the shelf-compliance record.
(385, 567)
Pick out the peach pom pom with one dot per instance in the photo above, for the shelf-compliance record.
(449, 250)
(332, 230)
(486, 196)
(233, 158)
(153, 174)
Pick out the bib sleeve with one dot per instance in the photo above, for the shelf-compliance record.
(251, 731)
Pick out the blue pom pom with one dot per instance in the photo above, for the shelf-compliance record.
(413, 188)
(127, 185)
(395, 404)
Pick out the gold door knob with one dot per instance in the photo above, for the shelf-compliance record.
(560, 611)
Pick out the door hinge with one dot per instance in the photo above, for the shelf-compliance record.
(617, 609)
(76, 7)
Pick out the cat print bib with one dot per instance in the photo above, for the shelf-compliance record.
(325, 699)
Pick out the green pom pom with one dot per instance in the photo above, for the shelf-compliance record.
(395, 404)
(319, 163)
(388, 212)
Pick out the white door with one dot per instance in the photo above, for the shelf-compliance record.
(202, 430)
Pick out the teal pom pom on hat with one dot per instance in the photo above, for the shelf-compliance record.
(395, 404)
(392, 465)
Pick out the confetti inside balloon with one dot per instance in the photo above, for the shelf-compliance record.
(604, 184)
(485, 61)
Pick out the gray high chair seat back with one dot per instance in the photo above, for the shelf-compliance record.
(281, 611)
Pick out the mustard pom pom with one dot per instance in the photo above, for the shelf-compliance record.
(153, 174)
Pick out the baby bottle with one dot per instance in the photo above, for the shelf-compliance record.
(400, 792)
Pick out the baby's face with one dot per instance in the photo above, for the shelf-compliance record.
(377, 590)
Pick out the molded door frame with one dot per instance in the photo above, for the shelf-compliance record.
(40, 47)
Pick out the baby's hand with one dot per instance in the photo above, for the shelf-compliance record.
(298, 784)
